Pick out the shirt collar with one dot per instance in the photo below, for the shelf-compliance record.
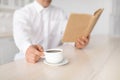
(39, 7)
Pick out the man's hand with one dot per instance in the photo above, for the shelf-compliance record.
(81, 42)
(34, 53)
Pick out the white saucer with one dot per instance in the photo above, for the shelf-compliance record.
(65, 61)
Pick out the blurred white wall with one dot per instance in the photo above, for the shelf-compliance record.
(89, 6)
(115, 18)
(74, 6)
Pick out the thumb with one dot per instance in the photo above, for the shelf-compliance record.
(40, 48)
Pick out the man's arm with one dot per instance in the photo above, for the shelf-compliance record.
(22, 32)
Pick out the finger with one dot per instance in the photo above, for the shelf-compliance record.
(37, 58)
(33, 59)
(30, 55)
(30, 60)
(81, 41)
(88, 36)
(42, 54)
(78, 45)
(40, 48)
(38, 53)
(85, 39)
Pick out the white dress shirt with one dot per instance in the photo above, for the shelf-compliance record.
(34, 24)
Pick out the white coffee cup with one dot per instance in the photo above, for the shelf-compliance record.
(54, 56)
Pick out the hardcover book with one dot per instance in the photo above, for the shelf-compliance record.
(80, 25)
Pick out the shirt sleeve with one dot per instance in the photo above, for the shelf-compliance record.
(21, 31)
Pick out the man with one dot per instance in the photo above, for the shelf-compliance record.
(40, 26)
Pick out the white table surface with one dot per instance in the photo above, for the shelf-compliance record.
(98, 61)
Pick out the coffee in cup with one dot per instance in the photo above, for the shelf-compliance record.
(54, 56)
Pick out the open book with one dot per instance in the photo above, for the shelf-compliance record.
(80, 25)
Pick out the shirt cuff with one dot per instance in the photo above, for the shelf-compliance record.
(25, 46)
